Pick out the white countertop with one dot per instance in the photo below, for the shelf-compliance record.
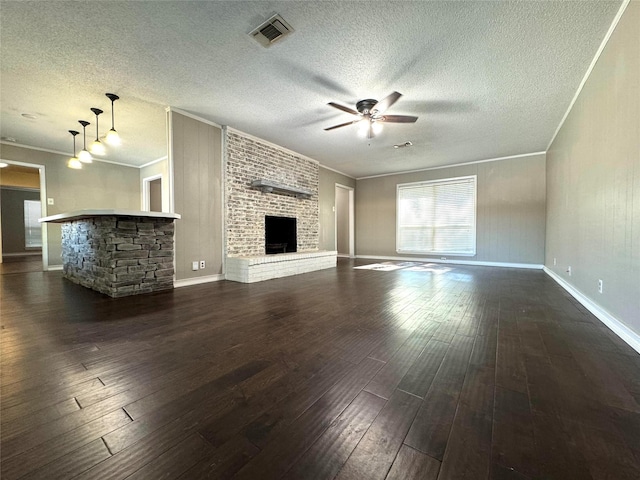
(78, 214)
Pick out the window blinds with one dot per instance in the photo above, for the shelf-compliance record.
(437, 217)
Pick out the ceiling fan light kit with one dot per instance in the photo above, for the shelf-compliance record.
(371, 113)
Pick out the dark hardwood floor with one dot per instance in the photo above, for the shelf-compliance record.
(455, 373)
(21, 264)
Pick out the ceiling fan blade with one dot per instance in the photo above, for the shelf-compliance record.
(386, 102)
(341, 125)
(398, 119)
(344, 109)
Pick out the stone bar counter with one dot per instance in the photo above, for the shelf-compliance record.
(117, 252)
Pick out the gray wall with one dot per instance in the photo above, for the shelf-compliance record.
(593, 181)
(326, 203)
(510, 210)
(12, 204)
(196, 159)
(342, 221)
(98, 185)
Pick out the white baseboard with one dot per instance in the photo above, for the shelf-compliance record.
(533, 266)
(23, 254)
(54, 268)
(197, 280)
(625, 333)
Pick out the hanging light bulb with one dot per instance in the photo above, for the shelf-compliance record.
(97, 147)
(112, 138)
(363, 128)
(84, 156)
(376, 127)
(73, 161)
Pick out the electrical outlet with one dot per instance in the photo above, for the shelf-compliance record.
(569, 270)
(201, 264)
(600, 286)
(555, 262)
(194, 266)
(49, 201)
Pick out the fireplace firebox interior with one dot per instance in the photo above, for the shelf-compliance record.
(280, 235)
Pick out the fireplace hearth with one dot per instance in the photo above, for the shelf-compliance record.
(280, 235)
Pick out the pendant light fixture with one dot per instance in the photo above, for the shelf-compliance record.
(73, 161)
(84, 156)
(112, 138)
(97, 147)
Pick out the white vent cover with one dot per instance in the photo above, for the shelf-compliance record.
(271, 31)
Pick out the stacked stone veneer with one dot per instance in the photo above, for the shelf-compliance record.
(119, 256)
(249, 159)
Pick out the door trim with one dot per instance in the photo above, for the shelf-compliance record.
(43, 209)
(146, 190)
(352, 227)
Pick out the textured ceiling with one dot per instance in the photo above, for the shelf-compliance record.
(487, 79)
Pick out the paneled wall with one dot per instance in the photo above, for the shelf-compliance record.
(593, 181)
(510, 210)
(250, 159)
(196, 159)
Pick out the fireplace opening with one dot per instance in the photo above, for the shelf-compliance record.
(280, 235)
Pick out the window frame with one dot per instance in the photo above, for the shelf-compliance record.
(474, 227)
(26, 217)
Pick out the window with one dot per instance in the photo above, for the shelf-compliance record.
(32, 228)
(437, 217)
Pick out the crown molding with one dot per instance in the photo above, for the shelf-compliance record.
(337, 171)
(596, 57)
(157, 160)
(66, 154)
(497, 159)
(271, 144)
(191, 115)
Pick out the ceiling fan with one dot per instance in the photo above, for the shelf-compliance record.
(372, 111)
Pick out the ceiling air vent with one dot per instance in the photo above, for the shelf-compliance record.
(271, 31)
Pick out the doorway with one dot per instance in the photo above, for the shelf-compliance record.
(23, 240)
(345, 224)
(152, 193)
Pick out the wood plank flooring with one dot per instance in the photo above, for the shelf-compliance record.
(454, 373)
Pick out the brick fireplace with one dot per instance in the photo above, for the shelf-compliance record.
(247, 160)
